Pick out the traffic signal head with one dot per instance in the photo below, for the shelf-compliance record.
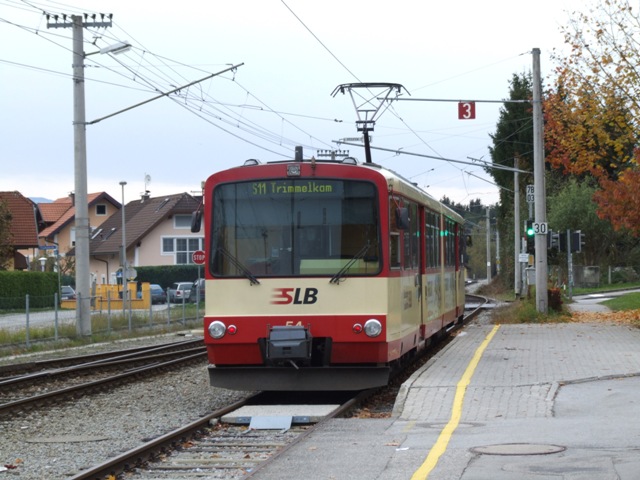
(530, 235)
(577, 241)
(529, 228)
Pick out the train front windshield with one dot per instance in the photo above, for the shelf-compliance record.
(295, 227)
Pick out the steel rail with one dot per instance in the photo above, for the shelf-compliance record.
(103, 383)
(23, 368)
(149, 451)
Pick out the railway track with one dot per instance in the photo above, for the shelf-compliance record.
(83, 375)
(24, 368)
(213, 449)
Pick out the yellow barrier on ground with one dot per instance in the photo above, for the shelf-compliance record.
(110, 296)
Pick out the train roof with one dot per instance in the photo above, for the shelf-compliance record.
(411, 189)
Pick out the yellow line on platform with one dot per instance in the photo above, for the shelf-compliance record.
(441, 444)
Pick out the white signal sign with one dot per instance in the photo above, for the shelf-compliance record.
(531, 198)
(541, 228)
(466, 110)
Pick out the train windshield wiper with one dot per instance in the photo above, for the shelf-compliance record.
(236, 263)
(343, 271)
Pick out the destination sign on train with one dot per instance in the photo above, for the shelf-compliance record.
(274, 187)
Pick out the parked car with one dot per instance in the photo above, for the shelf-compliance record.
(67, 293)
(158, 295)
(197, 286)
(179, 291)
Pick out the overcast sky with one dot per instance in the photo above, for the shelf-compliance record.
(294, 54)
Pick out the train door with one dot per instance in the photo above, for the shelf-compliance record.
(405, 287)
(460, 270)
(450, 278)
(412, 271)
(432, 316)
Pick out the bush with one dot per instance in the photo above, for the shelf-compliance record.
(624, 275)
(14, 285)
(19, 283)
(555, 299)
(167, 274)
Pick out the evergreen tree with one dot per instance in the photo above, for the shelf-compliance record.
(513, 139)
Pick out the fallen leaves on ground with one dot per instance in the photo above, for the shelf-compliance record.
(625, 317)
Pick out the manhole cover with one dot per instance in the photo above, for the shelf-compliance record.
(519, 449)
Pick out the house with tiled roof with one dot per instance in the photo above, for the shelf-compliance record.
(59, 218)
(25, 222)
(157, 231)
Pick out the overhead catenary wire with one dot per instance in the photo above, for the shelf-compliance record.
(399, 117)
(160, 73)
(203, 106)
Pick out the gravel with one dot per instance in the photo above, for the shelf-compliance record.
(57, 442)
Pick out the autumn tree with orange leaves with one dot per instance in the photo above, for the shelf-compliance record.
(591, 126)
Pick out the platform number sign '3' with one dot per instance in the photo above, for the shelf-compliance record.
(466, 110)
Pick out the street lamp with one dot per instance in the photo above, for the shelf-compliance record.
(43, 260)
(123, 255)
(115, 49)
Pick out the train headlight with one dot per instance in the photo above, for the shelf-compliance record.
(217, 329)
(372, 327)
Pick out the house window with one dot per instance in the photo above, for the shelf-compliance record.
(182, 248)
(101, 209)
(182, 221)
(185, 248)
(168, 245)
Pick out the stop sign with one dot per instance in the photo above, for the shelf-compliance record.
(198, 257)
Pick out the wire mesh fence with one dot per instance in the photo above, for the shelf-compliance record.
(45, 318)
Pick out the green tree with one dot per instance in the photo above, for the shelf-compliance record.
(513, 137)
(512, 140)
(573, 208)
(591, 125)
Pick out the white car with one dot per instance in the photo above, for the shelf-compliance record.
(179, 292)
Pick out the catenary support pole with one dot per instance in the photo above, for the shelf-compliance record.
(540, 189)
(488, 222)
(83, 280)
(516, 227)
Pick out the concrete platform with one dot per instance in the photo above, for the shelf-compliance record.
(525, 402)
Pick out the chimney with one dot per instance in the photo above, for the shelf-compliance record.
(145, 196)
(72, 196)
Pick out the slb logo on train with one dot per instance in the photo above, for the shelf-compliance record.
(294, 296)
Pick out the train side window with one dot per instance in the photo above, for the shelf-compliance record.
(415, 236)
(394, 250)
(432, 228)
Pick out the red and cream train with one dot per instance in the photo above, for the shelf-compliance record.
(323, 275)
